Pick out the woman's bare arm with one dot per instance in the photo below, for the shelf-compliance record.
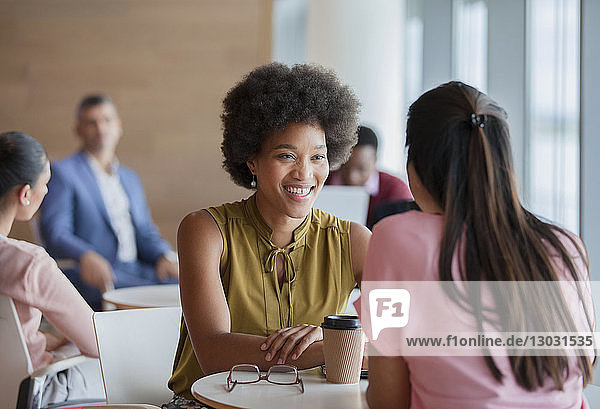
(389, 385)
(359, 241)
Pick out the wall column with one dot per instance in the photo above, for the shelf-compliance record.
(363, 41)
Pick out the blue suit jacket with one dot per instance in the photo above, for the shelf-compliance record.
(74, 218)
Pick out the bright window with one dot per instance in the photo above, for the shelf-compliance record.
(553, 105)
(413, 52)
(470, 40)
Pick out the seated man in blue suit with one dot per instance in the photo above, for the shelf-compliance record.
(96, 212)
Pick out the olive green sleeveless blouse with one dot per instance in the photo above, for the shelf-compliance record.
(317, 280)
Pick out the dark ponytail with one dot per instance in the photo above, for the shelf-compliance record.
(458, 143)
(22, 160)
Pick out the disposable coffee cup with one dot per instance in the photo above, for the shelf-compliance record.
(343, 348)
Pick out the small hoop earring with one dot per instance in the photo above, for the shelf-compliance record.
(253, 183)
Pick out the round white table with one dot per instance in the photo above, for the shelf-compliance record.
(147, 296)
(210, 390)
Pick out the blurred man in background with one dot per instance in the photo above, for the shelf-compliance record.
(96, 212)
(361, 170)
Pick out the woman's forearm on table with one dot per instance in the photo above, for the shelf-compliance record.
(222, 351)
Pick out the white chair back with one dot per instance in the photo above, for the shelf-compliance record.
(137, 348)
(15, 362)
(17, 377)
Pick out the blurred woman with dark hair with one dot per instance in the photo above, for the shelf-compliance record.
(474, 229)
(31, 277)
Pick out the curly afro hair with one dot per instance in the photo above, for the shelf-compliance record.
(274, 95)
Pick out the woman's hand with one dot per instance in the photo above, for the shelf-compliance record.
(291, 341)
(96, 271)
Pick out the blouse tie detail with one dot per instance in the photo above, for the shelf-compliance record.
(289, 271)
(265, 234)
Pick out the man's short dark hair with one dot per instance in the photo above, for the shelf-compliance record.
(93, 100)
(366, 137)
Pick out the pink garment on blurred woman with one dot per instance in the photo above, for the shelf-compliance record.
(37, 286)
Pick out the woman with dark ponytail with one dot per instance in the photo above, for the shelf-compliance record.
(474, 229)
(32, 279)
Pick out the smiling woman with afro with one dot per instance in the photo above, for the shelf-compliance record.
(257, 276)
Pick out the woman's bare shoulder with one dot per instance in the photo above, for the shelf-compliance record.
(198, 225)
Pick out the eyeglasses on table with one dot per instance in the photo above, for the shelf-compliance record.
(277, 374)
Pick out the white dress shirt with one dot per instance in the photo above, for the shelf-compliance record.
(116, 202)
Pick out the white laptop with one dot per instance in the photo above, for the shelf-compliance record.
(346, 202)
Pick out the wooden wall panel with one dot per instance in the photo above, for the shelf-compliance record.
(167, 65)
